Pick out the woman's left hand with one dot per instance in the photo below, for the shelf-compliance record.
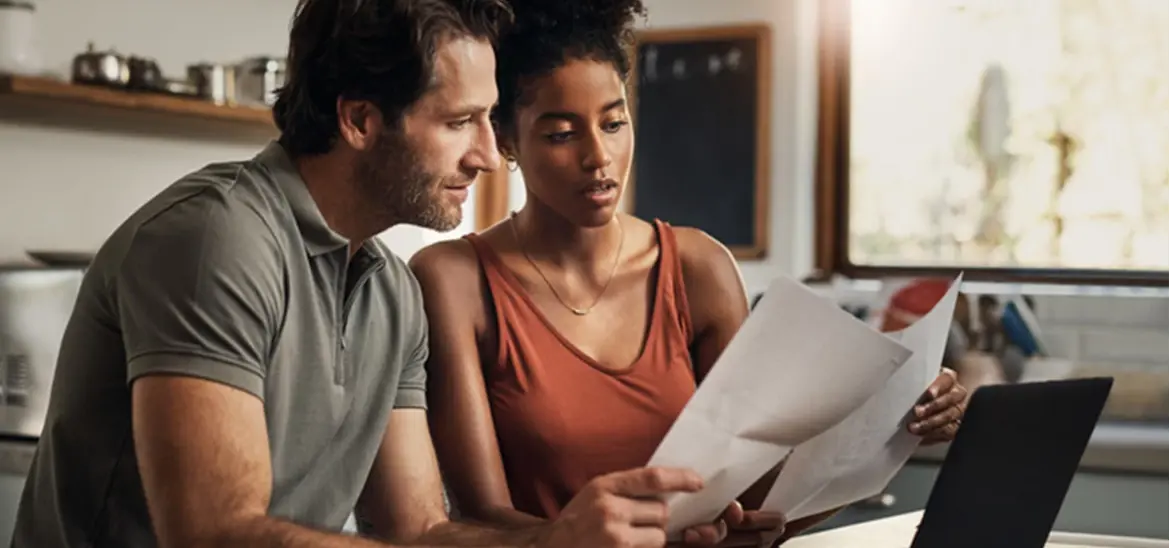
(937, 419)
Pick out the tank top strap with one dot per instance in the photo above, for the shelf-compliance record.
(671, 283)
(488, 260)
(483, 251)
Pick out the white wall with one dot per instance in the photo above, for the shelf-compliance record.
(67, 188)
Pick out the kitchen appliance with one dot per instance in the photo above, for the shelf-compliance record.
(18, 49)
(101, 67)
(257, 80)
(35, 306)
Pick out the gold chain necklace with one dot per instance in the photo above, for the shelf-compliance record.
(613, 270)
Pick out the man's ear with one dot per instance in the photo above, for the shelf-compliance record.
(358, 122)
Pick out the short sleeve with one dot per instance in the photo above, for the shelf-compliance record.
(199, 293)
(412, 383)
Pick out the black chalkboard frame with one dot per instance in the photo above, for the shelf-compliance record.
(760, 35)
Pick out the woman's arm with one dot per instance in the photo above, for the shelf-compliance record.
(460, 418)
(715, 294)
(719, 306)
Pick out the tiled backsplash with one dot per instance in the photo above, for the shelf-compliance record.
(1127, 331)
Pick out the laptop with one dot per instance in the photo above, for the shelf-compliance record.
(1009, 467)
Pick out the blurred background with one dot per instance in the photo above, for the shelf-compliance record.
(873, 149)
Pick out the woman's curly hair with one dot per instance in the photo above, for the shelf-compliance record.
(546, 34)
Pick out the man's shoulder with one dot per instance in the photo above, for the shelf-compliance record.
(219, 211)
(239, 193)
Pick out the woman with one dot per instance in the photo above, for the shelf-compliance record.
(567, 338)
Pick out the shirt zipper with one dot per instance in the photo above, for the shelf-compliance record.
(342, 369)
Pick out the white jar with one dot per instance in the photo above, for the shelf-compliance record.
(18, 54)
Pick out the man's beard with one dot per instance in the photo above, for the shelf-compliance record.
(392, 181)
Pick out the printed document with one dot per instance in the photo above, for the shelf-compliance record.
(798, 366)
(857, 458)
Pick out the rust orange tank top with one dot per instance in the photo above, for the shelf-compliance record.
(560, 418)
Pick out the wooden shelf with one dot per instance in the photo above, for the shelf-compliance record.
(56, 90)
(37, 101)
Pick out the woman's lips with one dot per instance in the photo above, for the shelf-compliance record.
(601, 193)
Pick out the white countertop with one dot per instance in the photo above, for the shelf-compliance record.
(898, 532)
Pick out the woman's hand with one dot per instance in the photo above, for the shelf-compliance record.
(937, 419)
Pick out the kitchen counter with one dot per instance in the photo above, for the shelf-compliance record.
(897, 532)
(16, 456)
(1114, 447)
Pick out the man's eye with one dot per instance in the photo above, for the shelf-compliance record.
(614, 126)
(460, 124)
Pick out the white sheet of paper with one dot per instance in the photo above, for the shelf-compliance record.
(797, 366)
(858, 457)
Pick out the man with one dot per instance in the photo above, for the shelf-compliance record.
(244, 365)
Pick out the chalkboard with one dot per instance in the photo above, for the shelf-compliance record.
(701, 112)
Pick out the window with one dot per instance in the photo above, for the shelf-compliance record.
(1014, 140)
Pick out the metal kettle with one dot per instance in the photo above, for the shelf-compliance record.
(101, 67)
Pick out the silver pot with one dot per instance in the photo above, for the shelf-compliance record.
(216, 83)
(101, 67)
(257, 80)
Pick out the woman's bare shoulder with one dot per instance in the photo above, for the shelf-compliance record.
(456, 253)
(701, 253)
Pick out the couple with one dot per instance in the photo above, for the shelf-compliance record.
(246, 363)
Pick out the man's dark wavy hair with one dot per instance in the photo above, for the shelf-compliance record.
(382, 51)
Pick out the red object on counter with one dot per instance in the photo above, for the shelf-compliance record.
(912, 302)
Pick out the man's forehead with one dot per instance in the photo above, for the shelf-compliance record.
(464, 72)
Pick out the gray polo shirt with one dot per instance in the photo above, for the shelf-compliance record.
(232, 275)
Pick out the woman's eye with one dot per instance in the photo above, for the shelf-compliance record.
(460, 124)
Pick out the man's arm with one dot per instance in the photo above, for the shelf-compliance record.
(202, 451)
(203, 445)
(403, 502)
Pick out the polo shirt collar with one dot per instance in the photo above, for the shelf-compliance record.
(319, 238)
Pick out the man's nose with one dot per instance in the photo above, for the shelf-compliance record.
(485, 153)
